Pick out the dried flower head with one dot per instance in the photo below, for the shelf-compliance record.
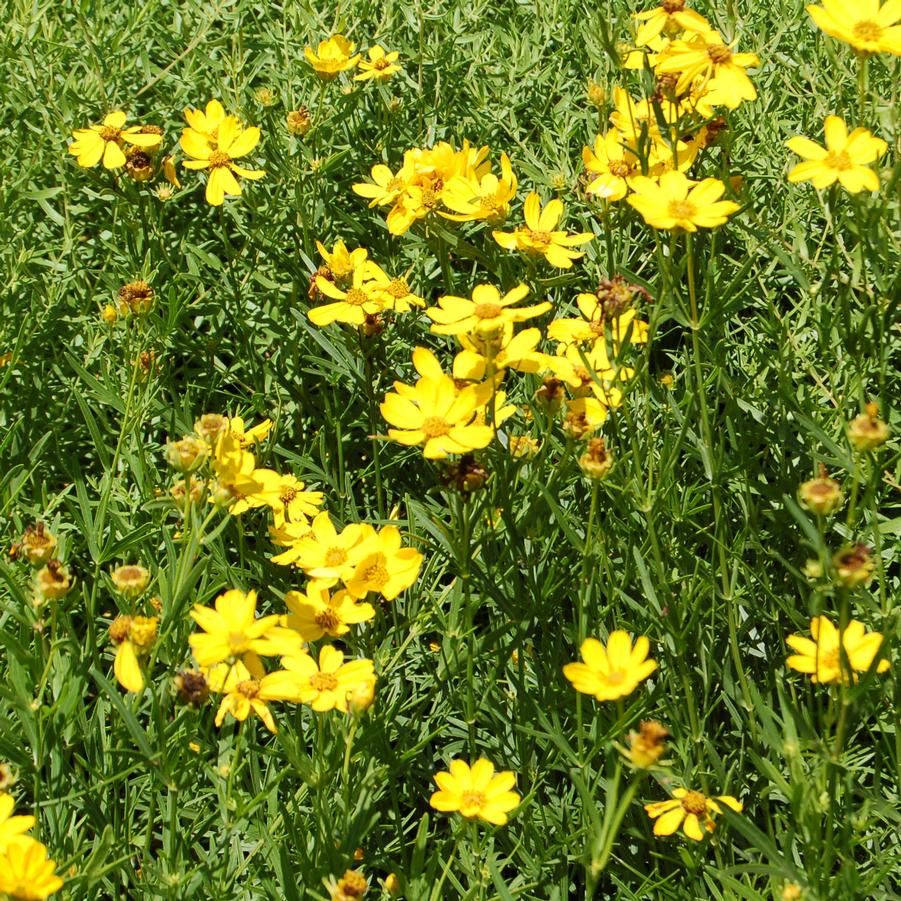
(298, 121)
(867, 431)
(139, 165)
(52, 581)
(37, 546)
(853, 565)
(135, 297)
(551, 393)
(647, 745)
(466, 475)
(192, 688)
(821, 495)
(597, 461)
(349, 887)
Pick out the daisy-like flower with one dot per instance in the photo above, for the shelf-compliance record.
(845, 158)
(677, 202)
(689, 809)
(326, 686)
(387, 186)
(318, 612)
(107, 141)
(387, 569)
(234, 468)
(244, 435)
(230, 629)
(614, 671)
(379, 67)
(394, 292)
(233, 142)
(589, 372)
(539, 237)
(341, 262)
(434, 413)
(205, 123)
(486, 313)
(245, 692)
(26, 871)
(609, 307)
(286, 496)
(332, 56)
(476, 792)
(614, 165)
(864, 24)
(471, 198)
(133, 637)
(11, 827)
(324, 552)
(485, 355)
(361, 299)
(821, 656)
(669, 19)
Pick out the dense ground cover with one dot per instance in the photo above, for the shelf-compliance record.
(723, 369)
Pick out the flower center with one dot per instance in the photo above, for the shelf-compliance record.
(288, 496)
(250, 688)
(237, 642)
(615, 677)
(694, 802)
(681, 209)
(398, 287)
(108, 133)
(472, 800)
(327, 620)
(540, 237)
(672, 6)
(429, 198)
(867, 31)
(395, 186)
(218, 159)
(324, 681)
(335, 556)
(376, 575)
(719, 55)
(435, 427)
(355, 297)
(487, 310)
(119, 629)
(840, 161)
(619, 168)
(381, 64)
(830, 659)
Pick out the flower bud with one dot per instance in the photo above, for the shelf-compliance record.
(52, 581)
(867, 431)
(853, 565)
(130, 581)
(109, 315)
(648, 744)
(187, 453)
(362, 697)
(298, 121)
(596, 462)
(597, 93)
(821, 495)
(392, 885)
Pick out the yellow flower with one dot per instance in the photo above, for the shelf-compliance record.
(231, 630)
(669, 18)
(234, 469)
(244, 692)
(864, 25)
(539, 237)
(341, 262)
(485, 314)
(11, 827)
(286, 496)
(106, 142)
(590, 372)
(845, 158)
(352, 306)
(584, 415)
(206, 124)
(319, 613)
(614, 163)
(252, 435)
(688, 809)
(435, 413)
(134, 637)
(614, 671)
(476, 791)
(486, 355)
(867, 431)
(387, 187)
(324, 553)
(379, 67)
(677, 202)
(821, 657)
(647, 745)
(332, 56)
(387, 568)
(608, 308)
(233, 142)
(26, 872)
(471, 198)
(822, 495)
(394, 293)
(326, 686)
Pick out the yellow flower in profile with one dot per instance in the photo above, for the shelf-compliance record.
(476, 792)
(821, 656)
(689, 809)
(610, 307)
(324, 552)
(328, 685)
(867, 431)
(234, 469)
(865, 25)
(484, 356)
(230, 628)
(107, 140)
(486, 313)
(539, 237)
(133, 637)
(244, 692)
(318, 612)
(253, 435)
(614, 671)
(27, 872)
(387, 568)
(668, 19)
(206, 123)
(677, 202)
(845, 158)
(613, 163)
(233, 142)
(11, 827)
(332, 56)
(341, 262)
(380, 66)
(435, 413)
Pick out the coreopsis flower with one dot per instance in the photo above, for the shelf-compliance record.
(706, 57)
(610, 307)
(647, 745)
(379, 67)
(540, 237)
(325, 553)
(38, 545)
(690, 810)
(234, 468)
(476, 792)
(387, 186)
(612, 164)
(352, 885)
(245, 692)
(394, 292)
(434, 413)
(27, 872)
(135, 298)
(107, 142)
(298, 121)
(317, 612)
(677, 202)
(866, 26)
(325, 686)
(231, 630)
(332, 56)
(361, 299)
(485, 355)
(253, 435)
(286, 496)
(130, 580)
(233, 142)
(584, 415)
(205, 124)
(670, 18)
(387, 568)
(853, 565)
(821, 495)
(867, 431)
(821, 656)
(590, 372)
(11, 827)
(614, 671)
(486, 313)
(488, 198)
(133, 637)
(845, 159)
(343, 263)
